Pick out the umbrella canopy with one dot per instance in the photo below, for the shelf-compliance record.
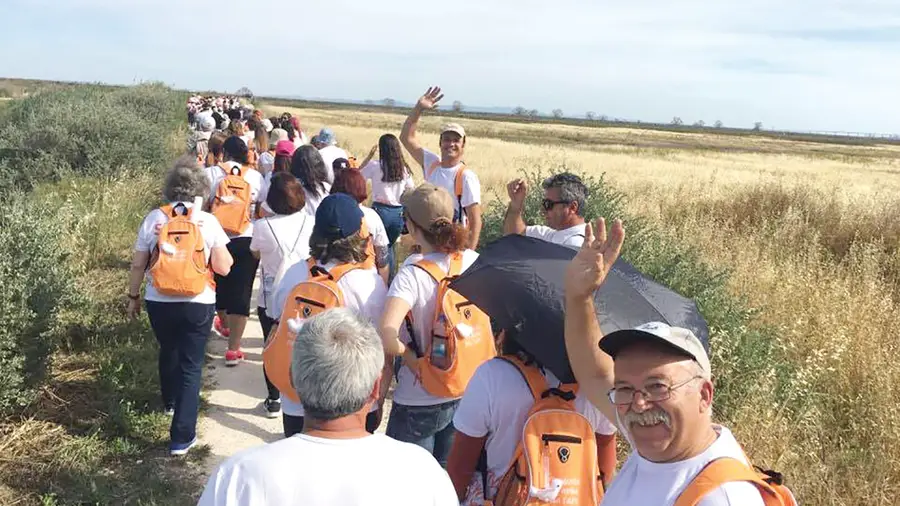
(519, 282)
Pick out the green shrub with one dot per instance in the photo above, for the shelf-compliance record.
(742, 355)
(37, 284)
(86, 131)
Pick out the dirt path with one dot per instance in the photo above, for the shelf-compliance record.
(235, 418)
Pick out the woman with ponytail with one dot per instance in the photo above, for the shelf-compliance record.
(417, 416)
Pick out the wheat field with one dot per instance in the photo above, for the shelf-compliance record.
(810, 235)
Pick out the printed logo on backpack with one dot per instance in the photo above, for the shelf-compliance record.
(319, 293)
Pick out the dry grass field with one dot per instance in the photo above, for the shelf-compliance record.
(810, 236)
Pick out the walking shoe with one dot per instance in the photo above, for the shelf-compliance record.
(273, 408)
(176, 449)
(220, 327)
(233, 358)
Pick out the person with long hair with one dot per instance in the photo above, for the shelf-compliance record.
(180, 322)
(279, 241)
(307, 166)
(417, 416)
(215, 151)
(233, 292)
(391, 177)
(336, 244)
(265, 152)
(352, 183)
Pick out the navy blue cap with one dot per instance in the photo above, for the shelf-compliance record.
(338, 217)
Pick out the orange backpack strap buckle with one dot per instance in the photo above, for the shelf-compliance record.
(721, 471)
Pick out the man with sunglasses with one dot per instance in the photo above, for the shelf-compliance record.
(655, 382)
(562, 207)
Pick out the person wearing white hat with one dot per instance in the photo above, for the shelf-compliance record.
(655, 382)
(448, 170)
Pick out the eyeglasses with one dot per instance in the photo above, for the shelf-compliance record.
(548, 204)
(654, 392)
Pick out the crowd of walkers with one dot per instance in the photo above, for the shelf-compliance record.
(476, 418)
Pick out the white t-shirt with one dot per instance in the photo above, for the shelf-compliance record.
(216, 174)
(329, 155)
(386, 193)
(313, 200)
(313, 471)
(280, 239)
(376, 227)
(418, 289)
(363, 290)
(446, 178)
(266, 163)
(213, 237)
(496, 404)
(572, 236)
(643, 482)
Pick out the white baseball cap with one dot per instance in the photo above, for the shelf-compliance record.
(453, 127)
(682, 340)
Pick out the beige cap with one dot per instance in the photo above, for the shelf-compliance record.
(427, 204)
(453, 127)
(682, 339)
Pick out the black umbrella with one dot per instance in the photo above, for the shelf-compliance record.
(518, 282)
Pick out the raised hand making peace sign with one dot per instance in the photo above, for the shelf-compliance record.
(589, 268)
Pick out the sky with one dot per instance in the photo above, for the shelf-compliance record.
(821, 65)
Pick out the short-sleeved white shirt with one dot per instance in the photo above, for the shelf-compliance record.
(314, 199)
(572, 236)
(376, 227)
(147, 239)
(386, 193)
(329, 155)
(280, 238)
(496, 404)
(418, 289)
(363, 290)
(641, 481)
(446, 178)
(216, 174)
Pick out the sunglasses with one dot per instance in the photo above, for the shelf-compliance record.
(548, 204)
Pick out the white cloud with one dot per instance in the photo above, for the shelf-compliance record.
(803, 64)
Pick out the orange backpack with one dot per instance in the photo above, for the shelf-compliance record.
(231, 205)
(556, 460)
(461, 337)
(726, 470)
(179, 266)
(319, 293)
(457, 187)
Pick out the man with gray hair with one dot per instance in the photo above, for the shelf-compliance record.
(336, 369)
(563, 204)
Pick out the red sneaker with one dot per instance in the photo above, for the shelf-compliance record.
(220, 327)
(233, 358)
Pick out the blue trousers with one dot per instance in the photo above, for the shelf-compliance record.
(181, 329)
(430, 427)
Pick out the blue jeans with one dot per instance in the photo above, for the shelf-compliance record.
(392, 216)
(181, 329)
(430, 427)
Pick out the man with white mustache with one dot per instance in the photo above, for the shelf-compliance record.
(654, 381)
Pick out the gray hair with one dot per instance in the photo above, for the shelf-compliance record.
(337, 359)
(186, 180)
(571, 188)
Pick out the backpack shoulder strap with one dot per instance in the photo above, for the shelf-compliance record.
(721, 471)
(432, 269)
(458, 183)
(532, 376)
(340, 271)
(432, 168)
